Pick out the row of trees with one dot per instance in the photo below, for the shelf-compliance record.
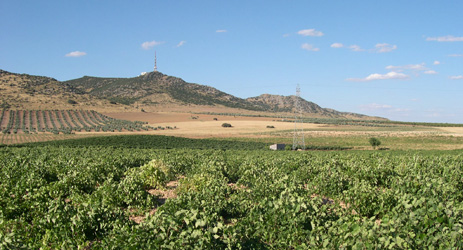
(64, 121)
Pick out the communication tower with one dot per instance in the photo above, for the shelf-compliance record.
(155, 63)
(298, 138)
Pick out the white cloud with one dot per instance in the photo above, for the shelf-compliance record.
(309, 47)
(418, 67)
(379, 48)
(181, 43)
(286, 35)
(221, 31)
(460, 77)
(445, 39)
(76, 54)
(150, 45)
(387, 76)
(310, 32)
(415, 68)
(384, 47)
(337, 45)
(383, 108)
(355, 48)
(456, 55)
(436, 63)
(376, 106)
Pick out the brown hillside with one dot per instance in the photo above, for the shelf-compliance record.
(22, 91)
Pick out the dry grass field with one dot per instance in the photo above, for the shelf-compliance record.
(255, 128)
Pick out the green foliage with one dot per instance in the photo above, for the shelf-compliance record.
(55, 197)
(154, 174)
(5, 105)
(226, 125)
(374, 142)
(153, 142)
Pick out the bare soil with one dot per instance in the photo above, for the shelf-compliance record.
(163, 194)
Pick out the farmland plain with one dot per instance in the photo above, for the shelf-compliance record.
(200, 185)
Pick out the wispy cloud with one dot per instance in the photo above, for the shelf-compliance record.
(387, 76)
(460, 77)
(438, 113)
(383, 108)
(309, 47)
(286, 35)
(181, 43)
(418, 67)
(379, 48)
(355, 48)
(310, 32)
(456, 55)
(221, 31)
(337, 45)
(414, 68)
(150, 44)
(384, 47)
(76, 54)
(374, 106)
(445, 39)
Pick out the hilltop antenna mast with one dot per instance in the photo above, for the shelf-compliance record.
(298, 138)
(155, 63)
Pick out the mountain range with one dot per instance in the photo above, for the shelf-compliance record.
(148, 92)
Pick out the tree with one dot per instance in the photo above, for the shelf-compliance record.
(70, 101)
(374, 142)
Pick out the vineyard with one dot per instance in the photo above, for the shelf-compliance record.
(64, 122)
(107, 197)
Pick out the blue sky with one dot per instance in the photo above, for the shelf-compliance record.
(397, 59)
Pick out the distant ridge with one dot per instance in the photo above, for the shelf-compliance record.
(152, 89)
(157, 88)
(279, 103)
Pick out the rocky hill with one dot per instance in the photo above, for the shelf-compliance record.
(157, 88)
(279, 103)
(24, 91)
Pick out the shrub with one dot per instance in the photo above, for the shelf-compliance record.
(270, 126)
(226, 125)
(374, 142)
(72, 102)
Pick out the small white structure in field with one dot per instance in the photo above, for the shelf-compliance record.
(278, 147)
